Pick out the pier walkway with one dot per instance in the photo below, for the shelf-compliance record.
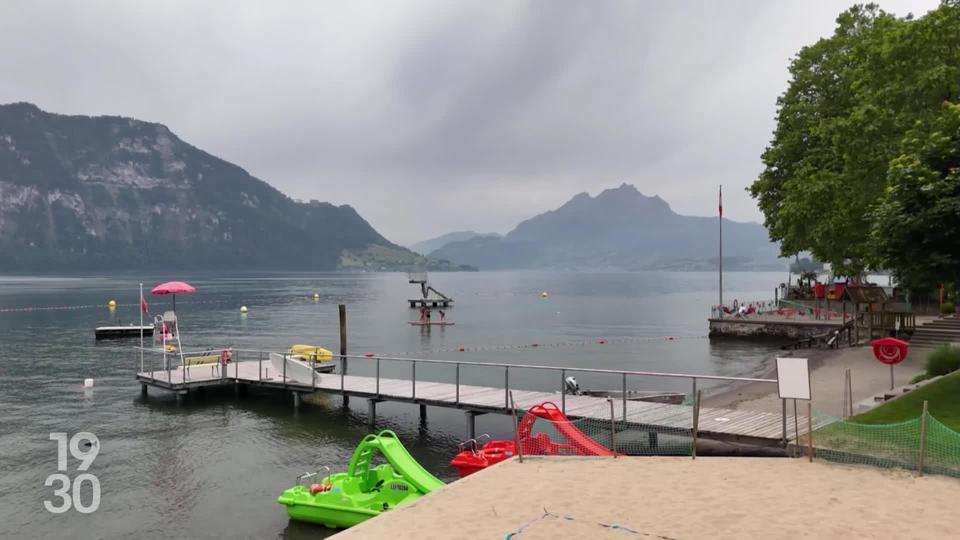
(749, 427)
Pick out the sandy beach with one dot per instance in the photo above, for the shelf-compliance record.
(677, 498)
(869, 377)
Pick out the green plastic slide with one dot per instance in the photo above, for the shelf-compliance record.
(402, 462)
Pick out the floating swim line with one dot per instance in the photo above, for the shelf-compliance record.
(576, 343)
(613, 526)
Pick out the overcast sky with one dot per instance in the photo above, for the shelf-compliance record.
(433, 116)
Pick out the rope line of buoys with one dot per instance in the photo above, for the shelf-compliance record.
(538, 345)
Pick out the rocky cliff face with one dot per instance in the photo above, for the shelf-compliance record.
(97, 193)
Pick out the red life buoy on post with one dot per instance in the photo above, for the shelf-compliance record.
(890, 350)
(226, 356)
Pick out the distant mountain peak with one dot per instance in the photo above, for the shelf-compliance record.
(618, 228)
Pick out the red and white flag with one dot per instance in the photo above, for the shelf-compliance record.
(143, 305)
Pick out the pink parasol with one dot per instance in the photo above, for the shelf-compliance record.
(173, 287)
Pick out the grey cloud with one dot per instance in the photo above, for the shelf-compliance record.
(492, 110)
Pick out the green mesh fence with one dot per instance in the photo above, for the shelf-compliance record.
(595, 432)
(891, 445)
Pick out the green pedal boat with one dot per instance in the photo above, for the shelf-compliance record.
(345, 499)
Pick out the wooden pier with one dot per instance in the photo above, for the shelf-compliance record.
(757, 428)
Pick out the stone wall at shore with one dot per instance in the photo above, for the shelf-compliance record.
(759, 328)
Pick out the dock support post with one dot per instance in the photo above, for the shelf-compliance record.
(143, 389)
(296, 400)
(652, 440)
(371, 412)
(423, 412)
(471, 425)
(181, 394)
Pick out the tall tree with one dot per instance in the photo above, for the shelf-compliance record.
(842, 121)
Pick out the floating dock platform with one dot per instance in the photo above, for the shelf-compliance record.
(114, 332)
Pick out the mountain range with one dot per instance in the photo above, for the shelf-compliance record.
(425, 247)
(111, 193)
(620, 228)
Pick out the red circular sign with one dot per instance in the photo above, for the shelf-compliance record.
(889, 350)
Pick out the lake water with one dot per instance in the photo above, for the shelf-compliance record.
(213, 465)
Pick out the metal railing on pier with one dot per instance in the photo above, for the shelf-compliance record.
(230, 360)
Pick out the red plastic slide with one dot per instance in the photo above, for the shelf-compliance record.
(578, 443)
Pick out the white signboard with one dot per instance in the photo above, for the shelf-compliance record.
(793, 378)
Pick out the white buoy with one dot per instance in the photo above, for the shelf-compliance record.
(544, 294)
(88, 383)
(112, 304)
(243, 309)
(316, 296)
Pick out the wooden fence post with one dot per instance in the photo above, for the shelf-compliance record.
(923, 438)
(696, 420)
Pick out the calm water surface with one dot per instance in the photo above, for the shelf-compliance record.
(213, 465)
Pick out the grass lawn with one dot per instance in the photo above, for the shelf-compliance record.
(889, 435)
(943, 397)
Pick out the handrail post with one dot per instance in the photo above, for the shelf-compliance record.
(563, 391)
(413, 394)
(260, 368)
(284, 370)
(623, 386)
(458, 383)
(693, 394)
(506, 386)
(378, 376)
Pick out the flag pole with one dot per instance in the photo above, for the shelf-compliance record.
(141, 327)
(721, 247)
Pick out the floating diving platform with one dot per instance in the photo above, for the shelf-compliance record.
(430, 302)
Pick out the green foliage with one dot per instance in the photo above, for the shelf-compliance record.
(948, 308)
(917, 218)
(943, 360)
(864, 109)
(919, 378)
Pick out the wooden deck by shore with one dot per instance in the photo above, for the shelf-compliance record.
(759, 428)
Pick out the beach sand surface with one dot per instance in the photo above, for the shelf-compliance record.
(677, 498)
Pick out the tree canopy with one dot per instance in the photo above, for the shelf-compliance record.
(863, 158)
